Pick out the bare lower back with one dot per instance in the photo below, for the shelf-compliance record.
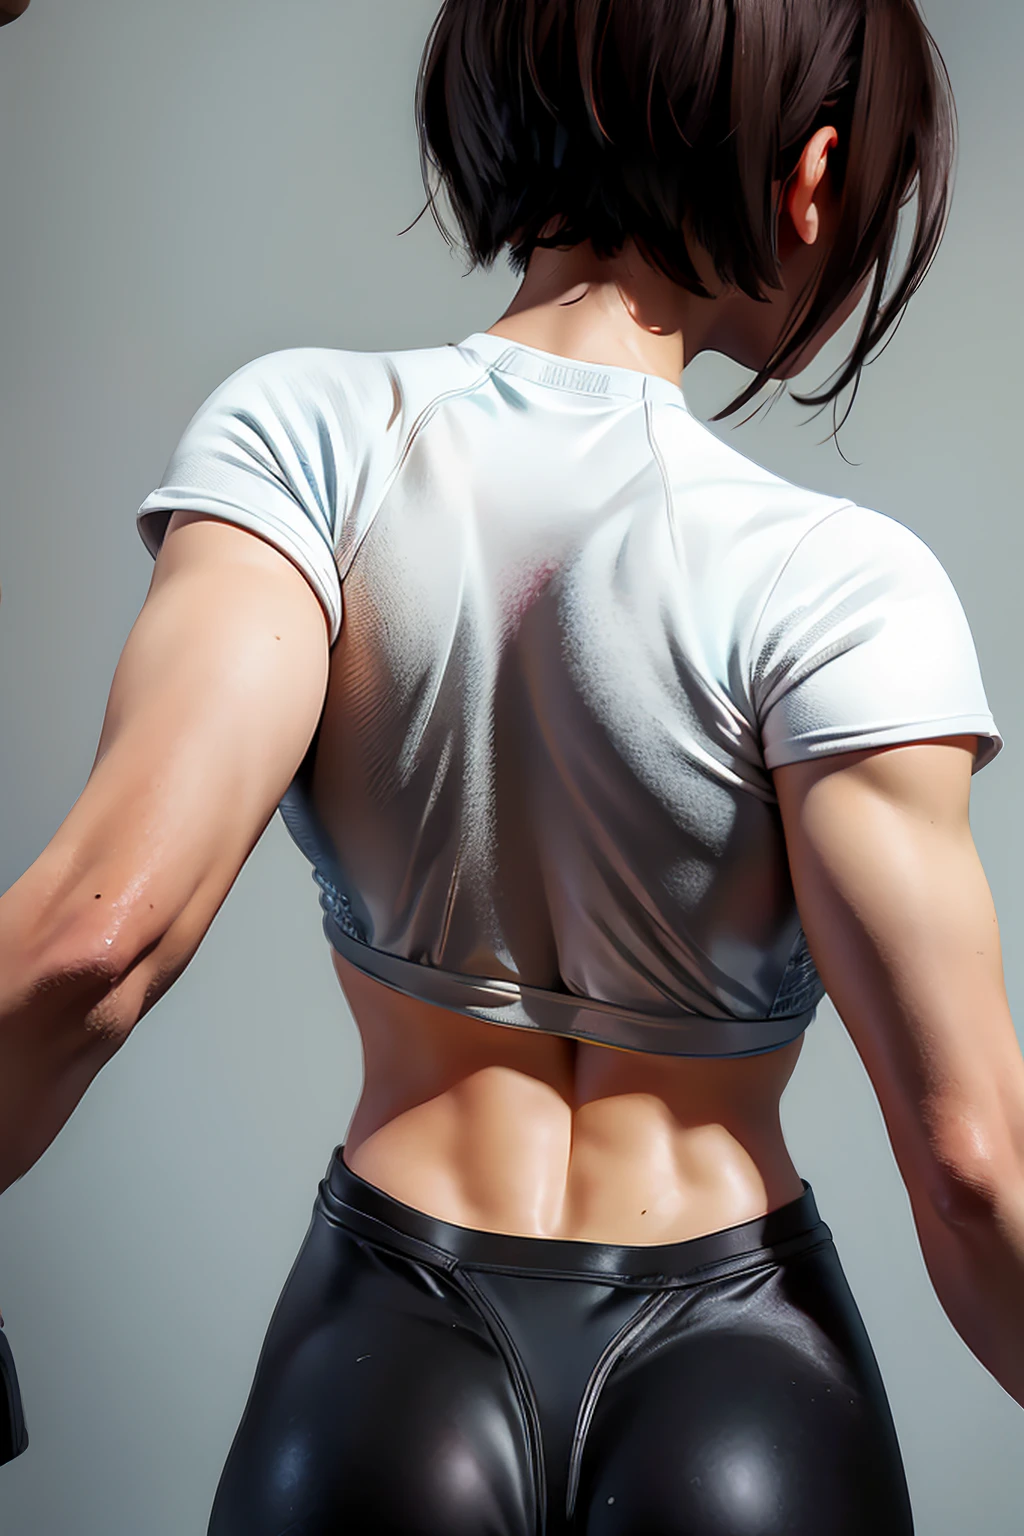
(510, 1131)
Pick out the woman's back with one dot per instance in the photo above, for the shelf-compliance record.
(607, 703)
(579, 635)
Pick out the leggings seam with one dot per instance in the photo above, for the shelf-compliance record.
(630, 1334)
(632, 1329)
(523, 1388)
(447, 1264)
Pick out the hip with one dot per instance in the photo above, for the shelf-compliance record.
(441, 1378)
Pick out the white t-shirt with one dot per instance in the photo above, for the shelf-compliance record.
(579, 630)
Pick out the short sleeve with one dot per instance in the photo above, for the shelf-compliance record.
(274, 449)
(863, 642)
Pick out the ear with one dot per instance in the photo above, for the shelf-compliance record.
(806, 180)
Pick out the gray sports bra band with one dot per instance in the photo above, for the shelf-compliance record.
(563, 1013)
(525, 1007)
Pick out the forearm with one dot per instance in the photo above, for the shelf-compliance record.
(59, 1024)
(41, 1083)
(68, 1002)
(977, 1269)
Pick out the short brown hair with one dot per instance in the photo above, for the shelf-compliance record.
(625, 117)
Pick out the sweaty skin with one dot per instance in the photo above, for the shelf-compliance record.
(508, 1131)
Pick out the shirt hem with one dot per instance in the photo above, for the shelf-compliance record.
(564, 1013)
(826, 743)
(314, 569)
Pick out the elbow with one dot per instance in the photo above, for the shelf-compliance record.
(91, 986)
(962, 1198)
(69, 996)
(60, 1022)
(973, 1181)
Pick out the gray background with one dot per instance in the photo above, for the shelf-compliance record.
(185, 187)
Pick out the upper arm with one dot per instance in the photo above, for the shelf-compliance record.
(213, 705)
(901, 925)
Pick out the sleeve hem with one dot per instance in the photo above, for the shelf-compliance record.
(312, 564)
(829, 742)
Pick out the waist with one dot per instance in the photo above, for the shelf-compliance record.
(366, 1208)
(509, 1130)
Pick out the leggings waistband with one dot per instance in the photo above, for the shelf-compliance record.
(354, 1202)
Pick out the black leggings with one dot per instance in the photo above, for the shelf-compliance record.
(13, 1434)
(424, 1379)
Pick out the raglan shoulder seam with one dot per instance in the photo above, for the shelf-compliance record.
(419, 424)
(843, 506)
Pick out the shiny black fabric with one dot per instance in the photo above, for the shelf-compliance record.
(13, 1434)
(424, 1379)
